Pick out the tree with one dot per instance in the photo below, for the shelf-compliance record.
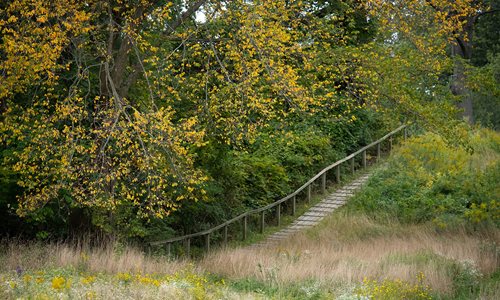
(482, 75)
(103, 105)
(454, 21)
(67, 68)
(106, 104)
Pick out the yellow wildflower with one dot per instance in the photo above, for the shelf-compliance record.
(58, 282)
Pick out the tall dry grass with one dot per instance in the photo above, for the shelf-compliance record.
(106, 256)
(347, 249)
(343, 250)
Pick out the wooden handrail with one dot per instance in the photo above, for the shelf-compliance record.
(278, 202)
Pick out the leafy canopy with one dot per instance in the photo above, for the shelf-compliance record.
(107, 103)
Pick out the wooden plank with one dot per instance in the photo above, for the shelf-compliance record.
(245, 228)
(378, 152)
(323, 183)
(364, 159)
(225, 235)
(309, 193)
(278, 214)
(207, 242)
(337, 173)
(262, 221)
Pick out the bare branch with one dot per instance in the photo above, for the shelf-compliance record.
(185, 15)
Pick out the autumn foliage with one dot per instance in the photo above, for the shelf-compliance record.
(110, 104)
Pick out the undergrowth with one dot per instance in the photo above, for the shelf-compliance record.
(429, 180)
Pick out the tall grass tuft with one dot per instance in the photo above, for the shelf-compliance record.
(105, 256)
(348, 248)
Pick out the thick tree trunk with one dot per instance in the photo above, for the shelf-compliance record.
(123, 79)
(458, 85)
(463, 49)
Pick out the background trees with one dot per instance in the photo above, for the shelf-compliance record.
(121, 111)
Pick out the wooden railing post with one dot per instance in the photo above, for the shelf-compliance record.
(390, 144)
(262, 221)
(188, 247)
(309, 193)
(207, 242)
(323, 183)
(364, 159)
(378, 152)
(225, 236)
(294, 202)
(337, 173)
(352, 165)
(168, 249)
(406, 134)
(244, 227)
(278, 214)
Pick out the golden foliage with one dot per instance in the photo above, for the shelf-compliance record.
(107, 101)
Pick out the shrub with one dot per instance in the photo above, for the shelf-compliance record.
(428, 179)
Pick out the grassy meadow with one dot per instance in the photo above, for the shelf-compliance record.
(426, 226)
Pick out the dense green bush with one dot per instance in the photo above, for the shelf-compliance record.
(428, 179)
(278, 161)
(281, 158)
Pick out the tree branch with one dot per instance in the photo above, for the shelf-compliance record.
(185, 15)
(124, 85)
(463, 48)
(476, 17)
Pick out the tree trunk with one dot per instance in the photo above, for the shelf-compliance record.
(463, 49)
